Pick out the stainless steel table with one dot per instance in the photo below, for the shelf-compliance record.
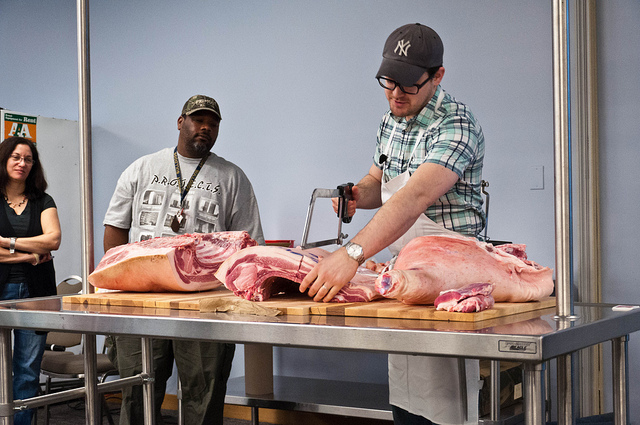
(532, 338)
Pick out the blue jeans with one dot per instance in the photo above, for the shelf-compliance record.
(28, 347)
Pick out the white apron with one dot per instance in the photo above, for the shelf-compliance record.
(443, 390)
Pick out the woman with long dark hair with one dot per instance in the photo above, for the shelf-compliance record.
(29, 231)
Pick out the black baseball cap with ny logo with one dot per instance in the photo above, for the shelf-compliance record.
(408, 52)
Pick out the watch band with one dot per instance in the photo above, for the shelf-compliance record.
(12, 245)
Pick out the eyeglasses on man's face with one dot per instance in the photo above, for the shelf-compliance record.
(17, 158)
(389, 84)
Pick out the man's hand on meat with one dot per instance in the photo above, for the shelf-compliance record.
(393, 219)
(329, 276)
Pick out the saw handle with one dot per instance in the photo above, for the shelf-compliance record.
(345, 196)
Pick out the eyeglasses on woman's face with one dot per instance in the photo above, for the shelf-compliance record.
(18, 158)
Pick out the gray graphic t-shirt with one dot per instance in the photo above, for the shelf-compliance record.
(147, 198)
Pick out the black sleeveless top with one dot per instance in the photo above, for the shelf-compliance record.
(40, 279)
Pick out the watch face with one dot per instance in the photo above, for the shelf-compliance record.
(355, 251)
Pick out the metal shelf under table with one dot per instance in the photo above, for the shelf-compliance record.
(332, 397)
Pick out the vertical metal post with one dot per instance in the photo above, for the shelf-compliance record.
(534, 394)
(547, 391)
(619, 347)
(84, 119)
(147, 386)
(562, 192)
(6, 392)
(565, 389)
(495, 390)
(586, 240)
(92, 407)
(180, 412)
(255, 415)
(561, 160)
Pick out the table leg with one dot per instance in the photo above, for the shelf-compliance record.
(619, 347)
(255, 415)
(148, 384)
(495, 390)
(565, 389)
(180, 414)
(6, 380)
(534, 394)
(92, 408)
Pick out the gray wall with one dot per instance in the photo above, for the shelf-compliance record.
(300, 107)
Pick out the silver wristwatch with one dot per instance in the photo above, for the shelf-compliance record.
(12, 245)
(355, 252)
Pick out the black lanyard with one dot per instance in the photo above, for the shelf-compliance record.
(179, 218)
(183, 192)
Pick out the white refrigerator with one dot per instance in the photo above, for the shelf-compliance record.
(59, 149)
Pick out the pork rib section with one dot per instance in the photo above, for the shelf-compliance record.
(472, 298)
(168, 264)
(428, 265)
(258, 272)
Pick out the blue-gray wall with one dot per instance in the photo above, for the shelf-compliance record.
(300, 107)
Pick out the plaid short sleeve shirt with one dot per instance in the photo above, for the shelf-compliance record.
(455, 141)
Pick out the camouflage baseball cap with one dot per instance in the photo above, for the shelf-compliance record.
(200, 102)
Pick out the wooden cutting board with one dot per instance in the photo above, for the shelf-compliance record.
(302, 305)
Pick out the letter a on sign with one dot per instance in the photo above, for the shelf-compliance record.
(20, 130)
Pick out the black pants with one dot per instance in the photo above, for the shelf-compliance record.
(402, 417)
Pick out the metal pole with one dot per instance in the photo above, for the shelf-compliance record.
(620, 382)
(180, 414)
(547, 391)
(561, 160)
(586, 240)
(565, 389)
(534, 394)
(255, 415)
(84, 119)
(6, 392)
(495, 390)
(92, 407)
(562, 192)
(147, 386)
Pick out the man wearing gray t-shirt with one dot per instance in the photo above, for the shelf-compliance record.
(180, 190)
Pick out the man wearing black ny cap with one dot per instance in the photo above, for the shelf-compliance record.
(178, 190)
(425, 180)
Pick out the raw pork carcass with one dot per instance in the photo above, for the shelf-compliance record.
(258, 272)
(167, 264)
(429, 265)
(472, 298)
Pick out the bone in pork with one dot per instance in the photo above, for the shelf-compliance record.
(472, 304)
(429, 265)
(258, 272)
(472, 298)
(167, 264)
